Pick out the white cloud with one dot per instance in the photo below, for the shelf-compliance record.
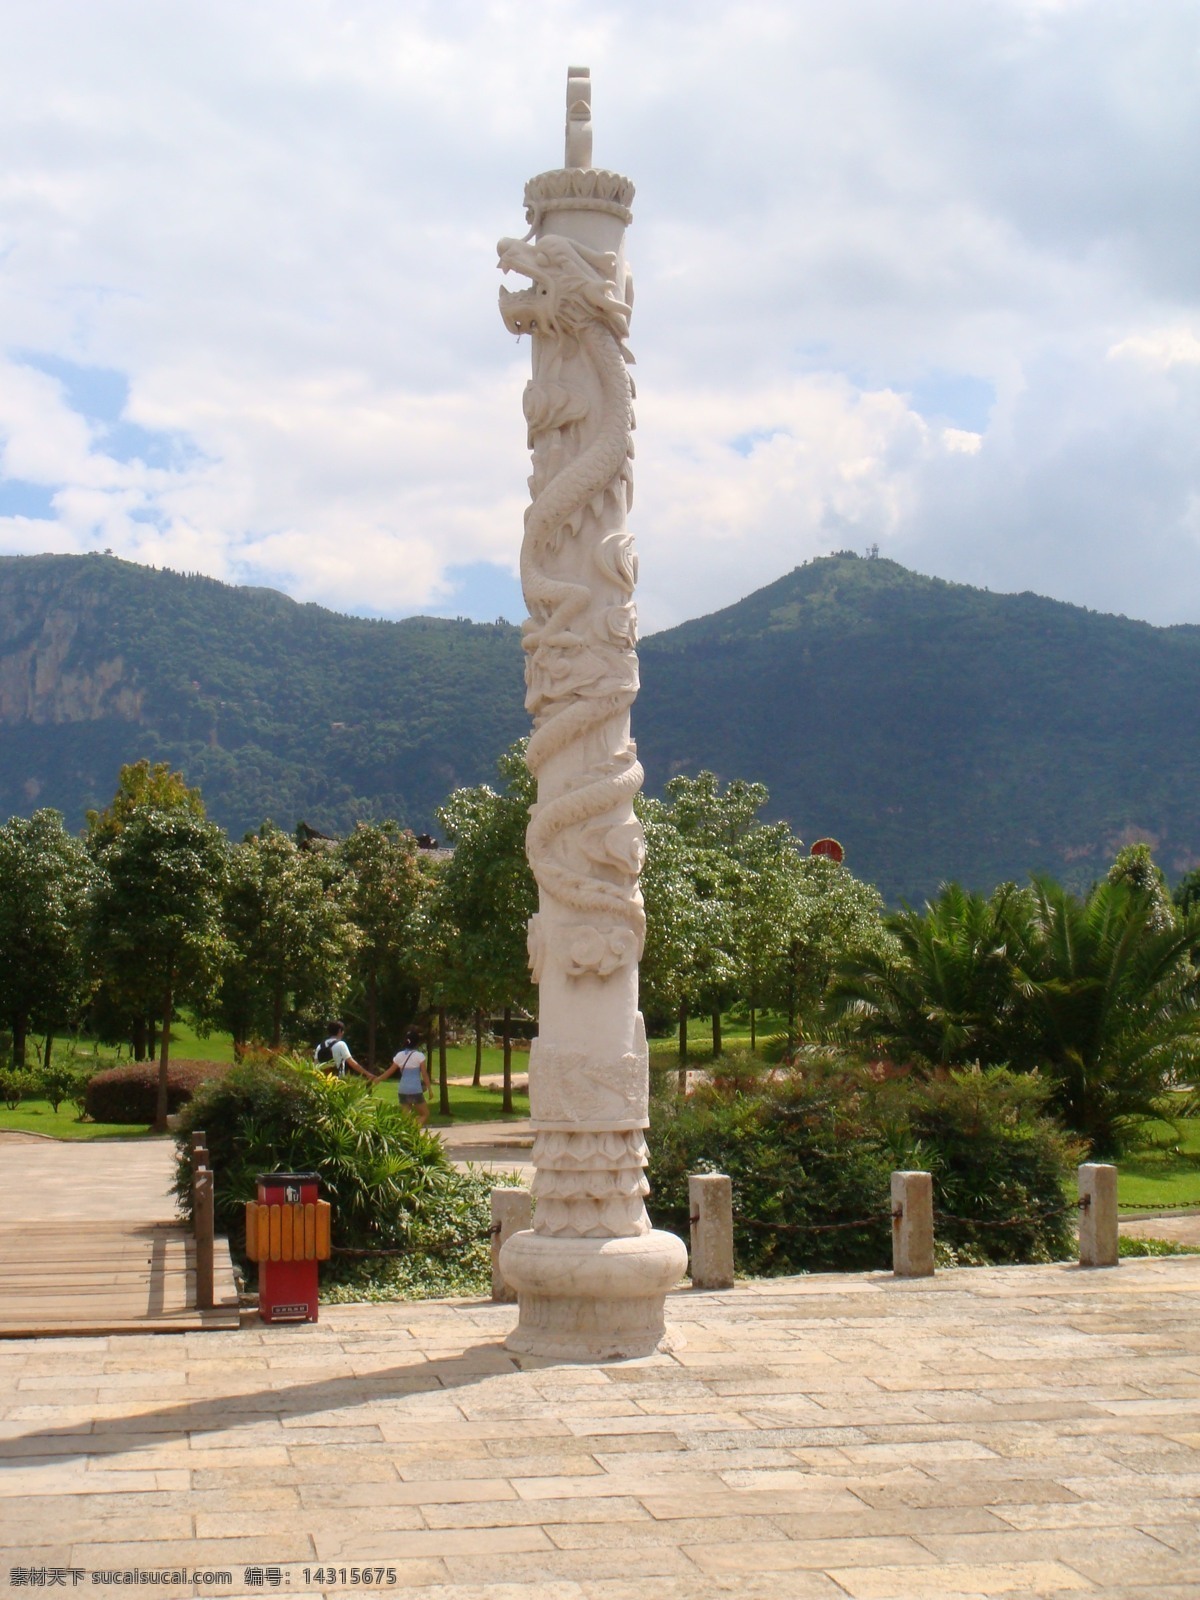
(277, 223)
(1165, 347)
(830, 467)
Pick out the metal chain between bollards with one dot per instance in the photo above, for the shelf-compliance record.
(1013, 1222)
(819, 1227)
(892, 1215)
(897, 1214)
(366, 1251)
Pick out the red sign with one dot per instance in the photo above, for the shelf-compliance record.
(829, 848)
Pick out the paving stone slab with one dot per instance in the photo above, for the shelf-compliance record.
(995, 1432)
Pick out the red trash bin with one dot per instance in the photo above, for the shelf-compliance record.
(287, 1233)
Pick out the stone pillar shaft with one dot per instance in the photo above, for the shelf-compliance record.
(592, 1245)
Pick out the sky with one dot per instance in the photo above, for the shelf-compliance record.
(920, 276)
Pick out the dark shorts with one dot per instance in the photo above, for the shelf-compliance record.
(412, 1099)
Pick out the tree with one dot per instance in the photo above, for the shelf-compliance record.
(1135, 866)
(379, 890)
(288, 937)
(720, 832)
(45, 879)
(116, 1012)
(941, 991)
(1095, 994)
(487, 894)
(676, 924)
(434, 935)
(829, 916)
(142, 786)
(1186, 896)
(1112, 1005)
(735, 910)
(766, 914)
(714, 820)
(156, 916)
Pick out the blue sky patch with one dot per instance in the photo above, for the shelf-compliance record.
(954, 398)
(21, 499)
(100, 394)
(483, 591)
(128, 441)
(97, 393)
(744, 443)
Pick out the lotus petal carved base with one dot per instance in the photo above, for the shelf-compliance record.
(591, 1299)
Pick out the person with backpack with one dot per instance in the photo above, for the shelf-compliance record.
(333, 1056)
(410, 1063)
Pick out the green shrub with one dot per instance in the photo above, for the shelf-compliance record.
(800, 1151)
(996, 1158)
(63, 1080)
(384, 1176)
(129, 1093)
(16, 1083)
(447, 1251)
(1130, 1245)
(809, 1149)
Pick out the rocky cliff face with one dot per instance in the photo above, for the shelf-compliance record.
(38, 684)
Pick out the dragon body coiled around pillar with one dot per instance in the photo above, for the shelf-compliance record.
(578, 572)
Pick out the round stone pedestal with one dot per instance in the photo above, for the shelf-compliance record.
(591, 1299)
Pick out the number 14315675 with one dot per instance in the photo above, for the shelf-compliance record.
(350, 1575)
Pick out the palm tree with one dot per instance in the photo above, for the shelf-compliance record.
(941, 993)
(1100, 995)
(1110, 1003)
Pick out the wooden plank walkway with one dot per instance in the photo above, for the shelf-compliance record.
(97, 1277)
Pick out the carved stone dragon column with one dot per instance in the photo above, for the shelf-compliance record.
(592, 1274)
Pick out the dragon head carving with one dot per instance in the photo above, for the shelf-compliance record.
(572, 286)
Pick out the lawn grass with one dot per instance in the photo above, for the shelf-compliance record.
(468, 1104)
(460, 1061)
(473, 1105)
(187, 1044)
(1166, 1172)
(37, 1116)
(484, 1104)
(735, 1035)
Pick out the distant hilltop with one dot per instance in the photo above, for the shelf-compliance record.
(939, 731)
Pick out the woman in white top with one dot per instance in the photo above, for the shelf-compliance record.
(414, 1077)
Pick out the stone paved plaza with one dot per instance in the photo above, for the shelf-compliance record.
(1029, 1430)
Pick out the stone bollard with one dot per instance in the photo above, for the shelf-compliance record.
(512, 1212)
(204, 1225)
(1097, 1216)
(912, 1224)
(710, 1201)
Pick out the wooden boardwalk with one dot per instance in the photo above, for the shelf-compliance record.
(98, 1277)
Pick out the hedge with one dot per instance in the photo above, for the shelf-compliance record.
(814, 1148)
(129, 1093)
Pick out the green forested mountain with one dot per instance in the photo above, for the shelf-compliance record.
(274, 709)
(937, 730)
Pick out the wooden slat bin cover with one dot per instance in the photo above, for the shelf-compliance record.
(287, 1233)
